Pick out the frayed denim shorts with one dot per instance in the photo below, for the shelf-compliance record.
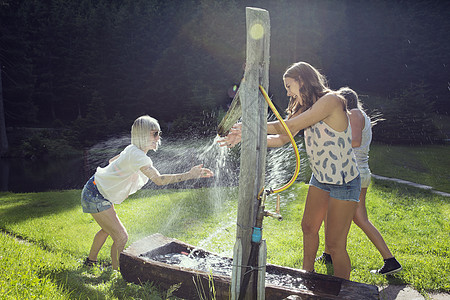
(91, 199)
(366, 176)
(348, 191)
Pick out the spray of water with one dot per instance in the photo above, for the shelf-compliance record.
(179, 155)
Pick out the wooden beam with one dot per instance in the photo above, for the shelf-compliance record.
(254, 130)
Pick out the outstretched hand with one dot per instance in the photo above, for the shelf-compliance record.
(200, 172)
(233, 137)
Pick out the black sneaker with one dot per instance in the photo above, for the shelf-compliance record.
(391, 266)
(89, 262)
(325, 258)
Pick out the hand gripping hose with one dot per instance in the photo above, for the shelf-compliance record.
(297, 154)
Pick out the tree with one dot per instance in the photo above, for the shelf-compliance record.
(407, 118)
(3, 136)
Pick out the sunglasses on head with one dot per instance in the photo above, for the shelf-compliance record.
(157, 133)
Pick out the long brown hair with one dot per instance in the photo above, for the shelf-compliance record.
(313, 86)
(351, 98)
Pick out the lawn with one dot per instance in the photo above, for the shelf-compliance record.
(428, 165)
(414, 223)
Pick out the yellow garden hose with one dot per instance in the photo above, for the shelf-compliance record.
(297, 154)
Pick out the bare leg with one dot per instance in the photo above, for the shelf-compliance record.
(339, 218)
(111, 224)
(369, 229)
(99, 240)
(315, 209)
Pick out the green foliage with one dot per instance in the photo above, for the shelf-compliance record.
(166, 58)
(196, 123)
(408, 119)
(96, 125)
(50, 143)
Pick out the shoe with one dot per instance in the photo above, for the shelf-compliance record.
(391, 266)
(89, 262)
(325, 258)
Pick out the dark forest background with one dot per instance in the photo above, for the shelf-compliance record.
(84, 70)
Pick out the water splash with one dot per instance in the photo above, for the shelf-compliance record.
(179, 155)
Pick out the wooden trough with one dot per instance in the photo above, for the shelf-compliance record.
(137, 265)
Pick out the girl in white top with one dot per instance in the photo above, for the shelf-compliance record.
(125, 174)
(335, 184)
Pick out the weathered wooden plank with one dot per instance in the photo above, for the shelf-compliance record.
(254, 129)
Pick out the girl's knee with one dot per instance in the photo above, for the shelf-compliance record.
(335, 246)
(360, 220)
(121, 238)
(309, 228)
(357, 220)
(124, 237)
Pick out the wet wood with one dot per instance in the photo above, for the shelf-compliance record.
(134, 268)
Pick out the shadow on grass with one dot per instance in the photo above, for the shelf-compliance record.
(395, 280)
(103, 283)
(15, 208)
(18, 207)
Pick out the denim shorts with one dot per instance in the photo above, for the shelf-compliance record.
(366, 176)
(348, 191)
(91, 199)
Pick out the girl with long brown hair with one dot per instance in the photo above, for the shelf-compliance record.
(335, 184)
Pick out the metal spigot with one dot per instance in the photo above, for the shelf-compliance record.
(277, 214)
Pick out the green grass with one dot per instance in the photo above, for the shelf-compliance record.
(25, 271)
(414, 223)
(427, 165)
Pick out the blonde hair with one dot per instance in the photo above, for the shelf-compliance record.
(314, 85)
(140, 131)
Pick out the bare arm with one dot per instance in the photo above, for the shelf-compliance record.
(163, 179)
(328, 108)
(357, 123)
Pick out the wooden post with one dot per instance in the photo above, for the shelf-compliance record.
(254, 135)
(262, 258)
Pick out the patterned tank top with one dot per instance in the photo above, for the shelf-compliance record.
(330, 154)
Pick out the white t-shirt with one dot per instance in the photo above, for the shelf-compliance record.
(123, 176)
(362, 152)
